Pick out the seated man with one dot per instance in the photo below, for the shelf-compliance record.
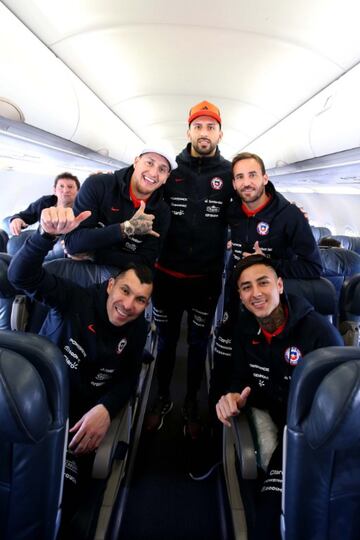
(271, 336)
(113, 235)
(100, 330)
(66, 186)
(262, 221)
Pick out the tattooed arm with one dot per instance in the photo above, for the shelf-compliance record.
(140, 223)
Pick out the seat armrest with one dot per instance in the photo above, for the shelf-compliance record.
(244, 445)
(119, 431)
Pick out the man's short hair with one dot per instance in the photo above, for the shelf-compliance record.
(143, 272)
(328, 241)
(67, 176)
(248, 155)
(249, 261)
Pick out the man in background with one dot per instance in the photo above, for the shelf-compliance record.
(66, 186)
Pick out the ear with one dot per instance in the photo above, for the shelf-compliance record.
(220, 135)
(110, 285)
(280, 285)
(188, 134)
(136, 160)
(266, 179)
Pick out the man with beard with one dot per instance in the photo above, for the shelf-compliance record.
(273, 333)
(263, 221)
(119, 230)
(189, 268)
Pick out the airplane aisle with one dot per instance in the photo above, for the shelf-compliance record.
(163, 502)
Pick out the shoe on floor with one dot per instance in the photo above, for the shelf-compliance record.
(155, 418)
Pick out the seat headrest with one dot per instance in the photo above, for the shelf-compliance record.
(352, 296)
(4, 237)
(24, 412)
(6, 289)
(16, 242)
(334, 418)
(339, 262)
(82, 272)
(349, 242)
(319, 292)
(319, 232)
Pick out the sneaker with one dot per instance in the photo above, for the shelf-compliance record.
(155, 419)
(193, 426)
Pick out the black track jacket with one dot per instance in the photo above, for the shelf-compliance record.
(108, 198)
(267, 368)
(198, 193)
(103, 360)
(283, 234)
(33, 211)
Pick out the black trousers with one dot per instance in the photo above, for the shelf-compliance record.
(172, 296)
(266, 509)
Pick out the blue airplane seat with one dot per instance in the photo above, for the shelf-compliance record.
(3, 240)
(320, 232)
(33, 434)
(15, 243)
(319, 292)
(338, 265)
(348, 242)
(321, 486)
(349, 324)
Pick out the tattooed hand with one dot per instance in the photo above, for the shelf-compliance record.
(140, 223)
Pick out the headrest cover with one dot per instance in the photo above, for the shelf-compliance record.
(24, 413)
(334, 418)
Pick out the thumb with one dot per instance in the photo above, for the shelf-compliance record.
(140, 210)
(245, 394)
(82, 216)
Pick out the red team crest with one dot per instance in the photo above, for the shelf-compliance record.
(217, 183)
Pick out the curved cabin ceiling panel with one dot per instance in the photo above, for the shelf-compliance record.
(150, 61)
(52, 98)
(35, 80)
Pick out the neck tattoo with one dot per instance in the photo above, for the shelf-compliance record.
(274, 320)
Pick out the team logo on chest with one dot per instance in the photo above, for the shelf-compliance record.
(292, 356)
(263, 228)
(216, 183)
(121, 345)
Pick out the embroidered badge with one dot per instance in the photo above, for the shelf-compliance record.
(263, 228)
(217, 183)
(292, 356)
(121, 345)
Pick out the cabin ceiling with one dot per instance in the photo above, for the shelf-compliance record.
(145, 63)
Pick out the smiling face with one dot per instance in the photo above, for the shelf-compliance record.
(204, 133)
(259, 289)
(249, 182)
(127, 299)
(150, 172)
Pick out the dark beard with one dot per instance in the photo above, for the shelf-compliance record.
(274, 320)
(203, 151)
